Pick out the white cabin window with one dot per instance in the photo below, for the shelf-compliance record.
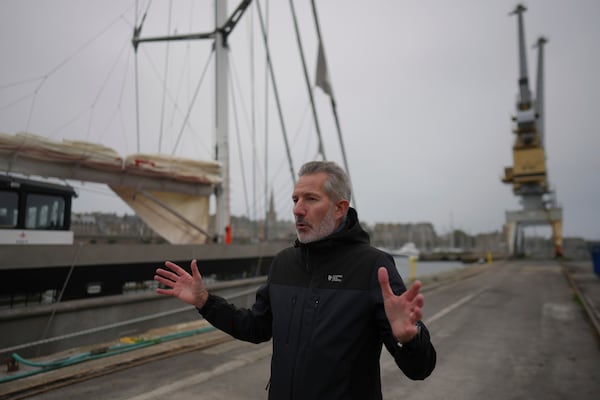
(45, 212)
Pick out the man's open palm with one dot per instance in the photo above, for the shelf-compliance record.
(188, 288)
(402, 311)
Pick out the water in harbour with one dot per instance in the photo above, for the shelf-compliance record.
(424, 268)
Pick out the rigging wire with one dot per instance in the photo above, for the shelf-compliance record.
(137, 102)
(239, 143)
(236, 81)
(159, 77)
(60, 296)
(57, 67)
(136, 31)
(307, 80)
(118, 109)
(162, 109)
(189, 110)
(281, 188)
(295, 138)
(19, 83)
(19, 99)
(103, 86)
(276, 92)
(283, 199)
(186, 70)
(241, 156)
(32, 106)
(188, 50)
(332, 98)
(16, 101)
(266, 123)
(185, 74)
(91, 107)
(253, 113)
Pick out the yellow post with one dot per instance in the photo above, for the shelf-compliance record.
(413, 268)
(489, 257)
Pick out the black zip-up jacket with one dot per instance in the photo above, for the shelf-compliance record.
(323, 307)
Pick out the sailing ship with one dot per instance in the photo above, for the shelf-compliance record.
(172, 194)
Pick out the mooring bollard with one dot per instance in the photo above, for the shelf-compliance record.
(413, 268)
(12, 365)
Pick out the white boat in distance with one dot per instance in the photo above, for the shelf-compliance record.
(407, 250)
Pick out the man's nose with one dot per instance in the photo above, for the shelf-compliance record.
(299, 208)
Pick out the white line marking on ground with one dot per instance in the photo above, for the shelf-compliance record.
(453, 306)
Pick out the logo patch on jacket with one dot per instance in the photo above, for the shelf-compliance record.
(335, 278)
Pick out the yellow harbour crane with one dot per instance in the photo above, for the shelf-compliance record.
(528, 174)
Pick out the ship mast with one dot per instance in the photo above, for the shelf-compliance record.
(223, 211)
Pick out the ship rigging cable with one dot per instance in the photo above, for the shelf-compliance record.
(237, 132)
(275, 91)
(189, 110)
(136, 33)
(162, 107)
(308, 86)
(329, 91)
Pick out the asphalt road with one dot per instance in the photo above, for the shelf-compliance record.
(511, 331)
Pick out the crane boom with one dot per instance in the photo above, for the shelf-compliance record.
(524, 91)
(539, 89)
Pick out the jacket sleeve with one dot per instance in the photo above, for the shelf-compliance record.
(251, 325)
(416, 358)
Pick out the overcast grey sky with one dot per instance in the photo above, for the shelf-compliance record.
(425, 93)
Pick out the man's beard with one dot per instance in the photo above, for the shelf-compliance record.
(325, 228)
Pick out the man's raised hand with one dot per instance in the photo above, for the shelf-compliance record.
(179, 283)
(402, 311)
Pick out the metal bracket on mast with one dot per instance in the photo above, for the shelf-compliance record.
(225, 30)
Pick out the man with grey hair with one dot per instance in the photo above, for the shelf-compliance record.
(329, 215)
(331, 302)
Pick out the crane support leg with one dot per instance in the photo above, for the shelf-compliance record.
(510, 230)
(557, 238)
(516, 221)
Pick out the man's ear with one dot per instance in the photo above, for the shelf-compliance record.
(341, 207)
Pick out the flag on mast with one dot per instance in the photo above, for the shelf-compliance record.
(322, 78)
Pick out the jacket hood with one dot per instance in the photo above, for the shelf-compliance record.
(352, 232)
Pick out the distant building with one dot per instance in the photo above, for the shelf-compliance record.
(394, 236)
(112, 228)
